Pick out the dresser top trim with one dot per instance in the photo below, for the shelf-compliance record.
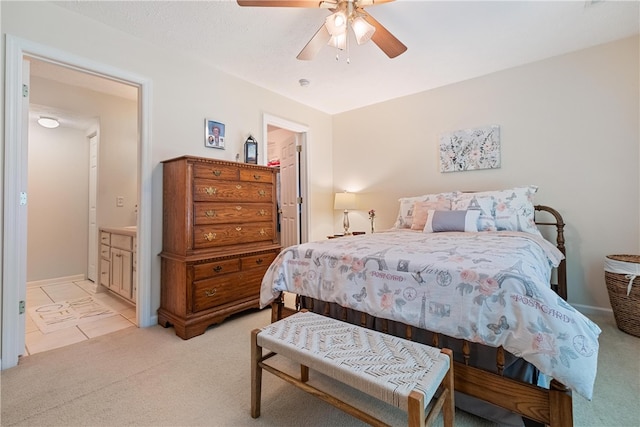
(195, 159)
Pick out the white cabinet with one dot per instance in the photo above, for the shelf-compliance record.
(118, 261)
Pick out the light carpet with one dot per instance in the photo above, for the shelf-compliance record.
(151, 377)
(60, 315)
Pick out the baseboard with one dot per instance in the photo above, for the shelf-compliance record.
(589, 310)
(56, 281)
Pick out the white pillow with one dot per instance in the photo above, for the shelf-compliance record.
(438, 221)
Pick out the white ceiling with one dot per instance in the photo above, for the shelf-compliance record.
(448, 41)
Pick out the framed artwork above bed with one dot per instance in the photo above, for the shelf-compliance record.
(470, 149)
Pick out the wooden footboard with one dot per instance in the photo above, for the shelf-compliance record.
(551, 407)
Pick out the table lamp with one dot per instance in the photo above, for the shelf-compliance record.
(345, 201)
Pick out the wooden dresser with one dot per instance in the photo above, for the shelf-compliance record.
(219, 238)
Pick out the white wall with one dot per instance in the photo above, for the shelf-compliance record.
(568, 124)
(118, 134)
(182, 94)
(58, 200)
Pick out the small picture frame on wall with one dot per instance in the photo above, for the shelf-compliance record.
(213, 134)
(251, 150)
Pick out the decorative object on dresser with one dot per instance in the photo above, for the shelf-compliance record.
(251, 150)
(219, 238)
(118, 265)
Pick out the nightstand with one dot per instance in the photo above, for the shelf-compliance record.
(355, 233)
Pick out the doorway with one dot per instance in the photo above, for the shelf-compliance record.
(72, 186)
(16, 197)
(286, 147)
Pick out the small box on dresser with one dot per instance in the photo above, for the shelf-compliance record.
(219, 237)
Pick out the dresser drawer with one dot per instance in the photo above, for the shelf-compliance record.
(122, 242)
(206, 190)
(252, 175)
(214, 171)
(211, 269)
(227, 289)
(231, 234)
(257, 261)
(215, 213)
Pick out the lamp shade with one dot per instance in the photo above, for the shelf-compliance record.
(345, 201)
(362, 29)
(336, 24)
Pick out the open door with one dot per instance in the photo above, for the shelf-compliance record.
(290, 199)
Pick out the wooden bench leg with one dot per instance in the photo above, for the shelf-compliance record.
(256, 374)
(449, 410)
(416, 409)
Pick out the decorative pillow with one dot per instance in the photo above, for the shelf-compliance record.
(483, 204)
(438, 221)
(512, 209)
(405, 215)
(421, 211)
(515, 211)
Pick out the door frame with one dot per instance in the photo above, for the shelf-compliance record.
(14, 221)
(302, 139)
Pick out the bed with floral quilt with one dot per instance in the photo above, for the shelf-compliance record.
(485, 292)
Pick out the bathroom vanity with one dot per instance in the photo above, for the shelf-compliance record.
(117, 267)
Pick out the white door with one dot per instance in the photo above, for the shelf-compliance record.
(93, 231)
(289, 192)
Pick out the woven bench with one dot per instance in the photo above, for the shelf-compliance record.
(400, 372)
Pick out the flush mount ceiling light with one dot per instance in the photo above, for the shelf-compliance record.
(48, 122)
(334, 31)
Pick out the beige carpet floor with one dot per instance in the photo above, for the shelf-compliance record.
(150, 377)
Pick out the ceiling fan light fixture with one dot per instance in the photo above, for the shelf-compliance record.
(336, 24)
(48, 122)
(338, 41)
(362, 29)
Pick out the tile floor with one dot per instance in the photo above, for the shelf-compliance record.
(36, 341)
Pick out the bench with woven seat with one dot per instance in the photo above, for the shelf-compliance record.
(402, 373)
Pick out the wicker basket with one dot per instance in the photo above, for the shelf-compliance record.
(626, 308)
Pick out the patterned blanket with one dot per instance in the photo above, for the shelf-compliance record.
(488, 287)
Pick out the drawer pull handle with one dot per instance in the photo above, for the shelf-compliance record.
(210, 213)
(262, 212)
(217, 269)
(259, 261)
(262, 193)
(217, 173)
(210, 236)
(257, 177)
(209, 293)
(262, 232)
(238, 228)
(211, 190)
(238, 186)
(238, 208)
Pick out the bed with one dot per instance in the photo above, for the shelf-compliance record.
(485, 292)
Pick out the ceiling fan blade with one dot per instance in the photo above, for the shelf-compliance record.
(386, 41)
(280, 3)
(317, 42)
(363, 3)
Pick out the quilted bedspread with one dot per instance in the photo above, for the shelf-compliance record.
(488, 287)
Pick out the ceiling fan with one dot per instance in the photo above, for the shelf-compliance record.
(334, 31)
